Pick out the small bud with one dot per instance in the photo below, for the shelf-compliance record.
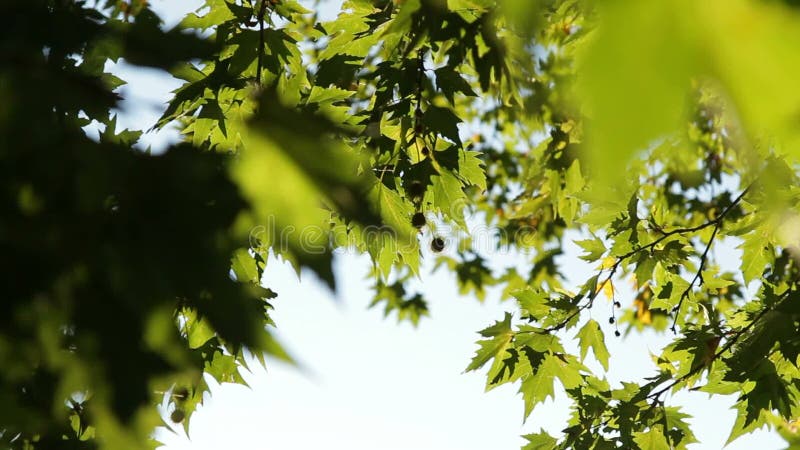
(415, 190)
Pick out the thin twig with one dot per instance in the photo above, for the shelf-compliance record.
(697, 277)
(730, 343)
(716, 223)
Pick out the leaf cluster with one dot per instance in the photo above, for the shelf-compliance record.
(405, 130)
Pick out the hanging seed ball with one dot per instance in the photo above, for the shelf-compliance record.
(418, 220)
(617, 333)
(611, 320)
(415, 190)
(177, 416)
(437, 244)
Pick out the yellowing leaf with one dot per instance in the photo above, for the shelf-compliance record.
(643, 313)
(607, 287)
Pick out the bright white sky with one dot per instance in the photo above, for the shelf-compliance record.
(368, 383)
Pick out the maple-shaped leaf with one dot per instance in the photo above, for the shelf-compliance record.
(471, 169)
(450, 82)
(498, 337)
(536, 387)
(678, 430)
(539, 441)
(591, 336)
(565, 367)
(442, 121)
(770, 392)
(653, 439)
(449, 196)
(743, 425)
(533, 301)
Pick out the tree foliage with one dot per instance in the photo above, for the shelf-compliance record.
(660, 137)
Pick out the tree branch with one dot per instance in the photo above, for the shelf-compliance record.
(730, 343)
(716, 223)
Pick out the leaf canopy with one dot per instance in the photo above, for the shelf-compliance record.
(659, 139)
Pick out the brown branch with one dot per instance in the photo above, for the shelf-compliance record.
(589, 304)
(716, 223)
(697, 277)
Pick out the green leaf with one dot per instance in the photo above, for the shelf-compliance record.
(539, 441)
(680, 432)
(537, 387)
(288, 8)
(288, 203)
(442, 121)
(449, 196)
(636, 87)
(565, 367)
(124, 137)
(394, 210)
(771, 108)
(754, 257)
(224, 369)
(573, 179)
(471, 168)
(533, 301)
(500, 335)
(411, 308)
(591, 336)
(198, 331)
(654, 439)
(403, 20)
(216, 13)
(244, 267)
(594, 248)
(461, 5)
(450, 82)
(744, 423)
